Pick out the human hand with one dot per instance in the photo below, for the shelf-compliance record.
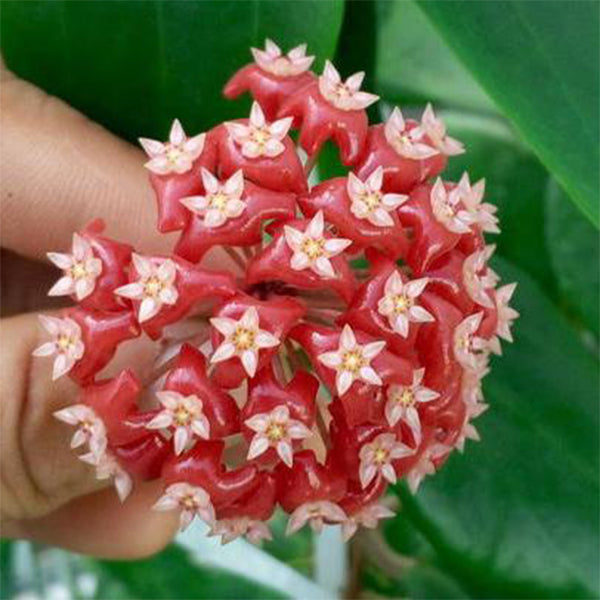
(58, 172)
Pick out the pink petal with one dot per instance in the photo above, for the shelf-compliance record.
(225, 351)
(180, 439)
(209, 181)
(420, 315)
(347, 339)
(214, 218)
(224, 325)
(299, 261)
(343, 382)
(293, 237)
(159, 165)
(285, 452)
(389, 473)
(322, 266)
(264, 339)
(62, 261)
(63, 287)
(280, 127)
(334, 246)
(257, 116)
(258, 446)
(369, 375)
(176, 135)
(84, 287)
(366, 473)
(160, 421)
(152, 147)
(148, 309)
(46, 349)
(330, 359)
(250, 362)
(316, 226)
(371, 350)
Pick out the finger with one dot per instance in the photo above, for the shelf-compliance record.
(60, 170)
(101, 526)
(24, 285)
(39, 472)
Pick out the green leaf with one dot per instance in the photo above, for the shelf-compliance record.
(135, 65)
(518, 515)
(515, 182)
(414, 64)
(172, 574)
(539, 63)
(574, 248)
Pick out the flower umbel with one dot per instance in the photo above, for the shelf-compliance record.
(344, 352)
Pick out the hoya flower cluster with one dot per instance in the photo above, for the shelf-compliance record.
(345, 348)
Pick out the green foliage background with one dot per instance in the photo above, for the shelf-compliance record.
(518, 515)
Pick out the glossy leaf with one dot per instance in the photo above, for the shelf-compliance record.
(539, 63)
(415, 65)
(574, 249)
(134, 66)
(517, 515)
(172, 574)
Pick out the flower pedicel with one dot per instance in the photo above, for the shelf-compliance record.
(401, 344)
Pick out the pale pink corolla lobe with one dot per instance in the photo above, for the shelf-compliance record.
(192, 501)
(81, 268)
(345, 95)
(66, 344)
(272, 60)
(377, 456)
(175, 156)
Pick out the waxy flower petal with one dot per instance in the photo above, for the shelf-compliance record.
(155, 286)
(402, 402)
(484, 213)
(272, 60)
(352, 362)
(276, 430)
(221, 202)
(81, 269)
(182, 414)
(345, 95)
(409, 143)
(230, 529)
(399, 303)
(243, 338)
(66, 344)
(368, 516)
(175, 156)
(434, 128)
(377, 456)
(260, 138)
(470, 350)
(311, 249)
(448, 208)
(369, 202)
(478, 278)
(316, 514)
(107, 467)
(90, 428)
(193, 501)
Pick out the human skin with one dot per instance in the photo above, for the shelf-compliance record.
(59, 171)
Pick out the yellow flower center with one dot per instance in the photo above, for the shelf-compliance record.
(402, 303)
(353, 361)
(182, 416)
(152, 287)
(64, 342)
(243, 338)
(78, 271)
(276, 431)
(260, 135)
(189, 502)
(313, 248)
(372, 200)
(173, 154)
(218, 201)
(380, 456)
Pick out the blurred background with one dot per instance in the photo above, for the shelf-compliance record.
(516, 516)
